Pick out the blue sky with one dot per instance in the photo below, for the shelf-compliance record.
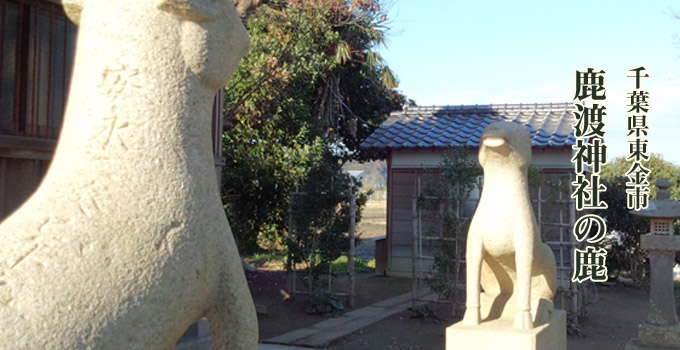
(480, 52)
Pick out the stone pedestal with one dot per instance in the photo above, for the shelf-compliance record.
(654, 337)
(500, 334)
(662, 336)
(661, 296)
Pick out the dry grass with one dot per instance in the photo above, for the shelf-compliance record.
(373, 220)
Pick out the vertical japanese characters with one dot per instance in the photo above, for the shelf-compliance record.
(637, 186)
(589, 156)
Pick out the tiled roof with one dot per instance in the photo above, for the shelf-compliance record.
(549, 124)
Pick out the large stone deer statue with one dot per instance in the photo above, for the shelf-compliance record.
(125, 243)
(504, 254)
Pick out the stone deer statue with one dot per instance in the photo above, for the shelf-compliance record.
(125, 243)
(504, 251)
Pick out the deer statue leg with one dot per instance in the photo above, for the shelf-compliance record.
(232, 317)
(473, 258)
(524, 257)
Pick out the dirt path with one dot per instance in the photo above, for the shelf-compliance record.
(399, 332)
(280, 315)
(610, 323)
(612, 320)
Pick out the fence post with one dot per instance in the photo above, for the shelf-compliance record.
(416, 284)
(352, 223)
(291, 274)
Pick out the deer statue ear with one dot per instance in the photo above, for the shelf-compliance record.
(73, 8)
(191, 10)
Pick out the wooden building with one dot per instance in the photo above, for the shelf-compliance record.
(37, 43)
(415, 140)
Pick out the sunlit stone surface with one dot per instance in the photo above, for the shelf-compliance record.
(125, 243)
(506, 258)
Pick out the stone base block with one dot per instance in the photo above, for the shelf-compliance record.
(657, 337)
(500, 334)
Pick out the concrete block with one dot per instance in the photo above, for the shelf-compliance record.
(499, 334)
(291, 337)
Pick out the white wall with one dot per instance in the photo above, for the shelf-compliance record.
(559, 158)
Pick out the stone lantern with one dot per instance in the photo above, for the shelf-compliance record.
(661, 329)
(661, 212)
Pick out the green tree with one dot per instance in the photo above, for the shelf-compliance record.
(617, 168)
(443, 201)
(624, 251)
(308, 92)
(321, 217)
